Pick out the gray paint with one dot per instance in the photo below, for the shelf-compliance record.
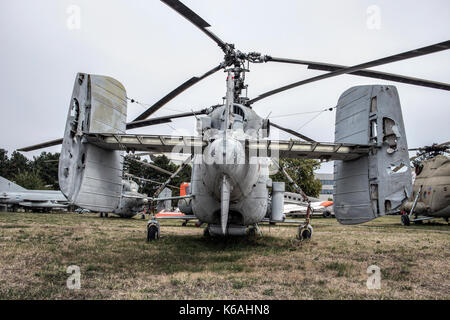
(89, 176)
(13, 194)
(367, 188)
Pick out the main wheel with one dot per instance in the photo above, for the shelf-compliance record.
(206, 232)
(405, 220)
(252, 231)
(152, 233)
(305, 233)
(326, 214)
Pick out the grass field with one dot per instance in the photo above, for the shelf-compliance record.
(117, 263)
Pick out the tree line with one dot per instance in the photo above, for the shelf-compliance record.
(41, 173)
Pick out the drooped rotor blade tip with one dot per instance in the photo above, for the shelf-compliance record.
(194, 19)
(397, 57)
(313, 65)
(171, 95)
(42, 145)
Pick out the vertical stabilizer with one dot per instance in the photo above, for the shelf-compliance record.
(89, 176)
(6, 185)
(372, 185)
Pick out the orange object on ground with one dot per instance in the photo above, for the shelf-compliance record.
(326, 203)
(183, 187)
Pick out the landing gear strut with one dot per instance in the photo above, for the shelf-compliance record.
(253, 231)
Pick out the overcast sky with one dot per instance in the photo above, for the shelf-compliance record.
(151, 49)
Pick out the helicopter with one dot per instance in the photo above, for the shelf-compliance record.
(231, 190)
(430, 198)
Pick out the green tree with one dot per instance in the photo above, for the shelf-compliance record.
(18, 163)
(29, 180)
(4, 164)
(302, 172)
(46, 165)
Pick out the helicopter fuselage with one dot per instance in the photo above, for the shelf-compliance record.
(433, 182)
(225, 164)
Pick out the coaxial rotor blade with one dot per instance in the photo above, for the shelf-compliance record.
(365, 73)
(294, 133)
(42, 145)
(194, 19)
(164, 119)
(398, 57)
(189, 83)
(130, 125)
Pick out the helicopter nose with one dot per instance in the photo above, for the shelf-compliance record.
(225, 152)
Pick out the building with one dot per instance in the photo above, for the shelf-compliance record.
(327, 180)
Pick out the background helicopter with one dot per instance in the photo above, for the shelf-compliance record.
(229, 191)
(430, 198)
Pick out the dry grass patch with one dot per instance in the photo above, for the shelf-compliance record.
(117, 263)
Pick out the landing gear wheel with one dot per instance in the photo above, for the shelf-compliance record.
(253, 231)
(405, 220)
(184, 224)
(152, 233)
(206, 233)
(106, 215)
(101, 214)
(326, 214)
(305, 232)
(143, 216)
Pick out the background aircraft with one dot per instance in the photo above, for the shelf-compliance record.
(15, 197)
(430, 198)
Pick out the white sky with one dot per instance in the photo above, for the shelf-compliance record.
(151, 49)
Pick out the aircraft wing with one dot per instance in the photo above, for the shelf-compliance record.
(40, 204)
(180, 216)
(195, 145)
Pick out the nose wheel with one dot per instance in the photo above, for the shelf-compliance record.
(254, 231)
(153, 230)
(305, 232)
(405, 220)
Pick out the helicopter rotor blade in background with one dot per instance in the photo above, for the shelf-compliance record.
(364, 73)
(189, 83)
(294, 133)
(150, 165)
(195, 19)
(397, 57)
